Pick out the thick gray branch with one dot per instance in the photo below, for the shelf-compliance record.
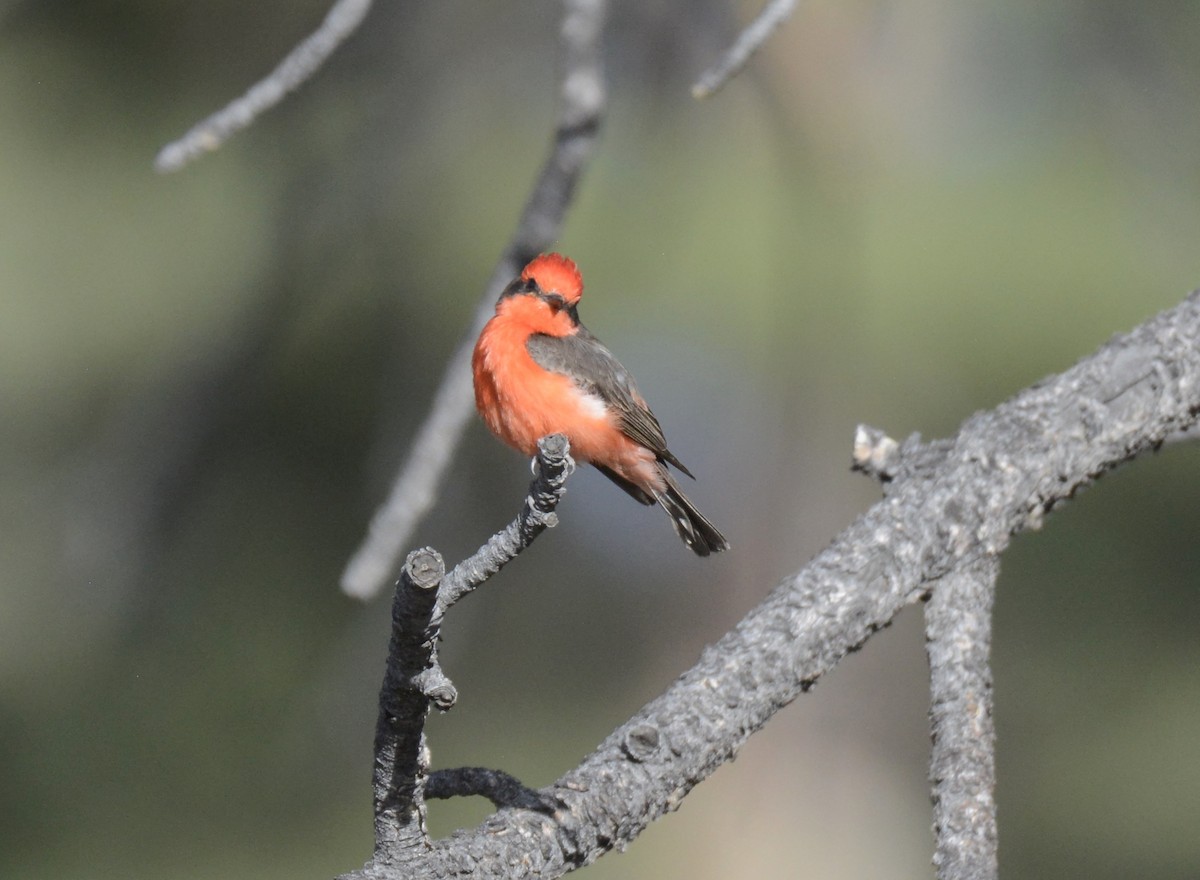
(962, 769)
(1003, 471)
(581, 102)
(401, 760)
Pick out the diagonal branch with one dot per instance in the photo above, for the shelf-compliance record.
(582, 99)
(958, 627)
(554, 465)
(299, 65)
(748, 42)
(1004, 470)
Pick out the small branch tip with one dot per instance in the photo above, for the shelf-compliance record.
(425, 568)
(749, 41)
(875, 453)
(642, 742)
(554, 448)
(342, 19)
(433, 683)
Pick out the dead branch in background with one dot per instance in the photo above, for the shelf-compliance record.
(748, 42)
(951, 509)
(581, 107)
(301, 63)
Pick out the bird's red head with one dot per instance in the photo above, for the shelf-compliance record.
(555, 273)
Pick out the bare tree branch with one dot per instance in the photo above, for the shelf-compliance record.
(495, 785)
(582, 100)
(962, 769)
(413, 679)
(748, 42)
(554, 465)
(401, 756)
(302, 62)
(415, 487)
(1003, 471)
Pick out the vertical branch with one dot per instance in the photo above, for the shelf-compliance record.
(411, 681)
(958, 627)
(582, 100)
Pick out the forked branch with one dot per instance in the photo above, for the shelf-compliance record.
(943, 523)
(413, 679)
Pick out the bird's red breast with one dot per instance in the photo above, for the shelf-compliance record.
(521, 400)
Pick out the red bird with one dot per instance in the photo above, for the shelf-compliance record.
(539, 371)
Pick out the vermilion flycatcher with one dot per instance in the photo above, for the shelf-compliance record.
(539, 371)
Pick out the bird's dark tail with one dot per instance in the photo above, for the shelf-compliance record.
(690, 524)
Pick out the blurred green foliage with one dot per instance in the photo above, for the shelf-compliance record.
(900, 214)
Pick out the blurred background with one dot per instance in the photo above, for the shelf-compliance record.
(899, 214)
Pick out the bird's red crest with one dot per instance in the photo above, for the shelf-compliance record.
(555, 273)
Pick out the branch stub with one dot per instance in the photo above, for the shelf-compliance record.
(424, 568)
(642, 742)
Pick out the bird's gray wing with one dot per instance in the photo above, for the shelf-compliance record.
(596, 370)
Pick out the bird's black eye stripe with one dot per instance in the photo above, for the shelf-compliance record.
(556, 301)
(559, 303)
(520, 286)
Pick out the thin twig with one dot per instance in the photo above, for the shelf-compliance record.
(1004, 469)
(582, 99)
(497, 786)
(554, 465)
(302, 62)
(748, 42)
(962, 768)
